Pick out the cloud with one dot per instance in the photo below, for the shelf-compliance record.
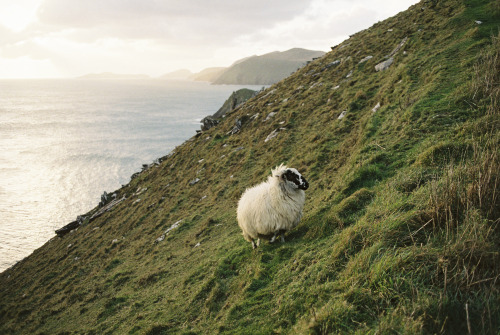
(158, 36)
(168, 20)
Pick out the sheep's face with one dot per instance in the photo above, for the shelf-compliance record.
(293, 178)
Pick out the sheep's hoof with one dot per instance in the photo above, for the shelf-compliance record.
(273, 239)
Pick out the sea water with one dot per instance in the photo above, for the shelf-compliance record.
(64, 142)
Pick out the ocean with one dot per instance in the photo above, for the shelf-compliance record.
(66, 141)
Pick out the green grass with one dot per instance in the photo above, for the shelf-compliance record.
(400, 232)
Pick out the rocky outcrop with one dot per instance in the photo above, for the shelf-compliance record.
(384, 65)
(234, 101)
(390, 57)
(208, 122)
(70, 226)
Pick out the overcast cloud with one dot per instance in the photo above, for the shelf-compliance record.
(59, 38)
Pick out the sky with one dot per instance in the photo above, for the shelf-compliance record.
(69, 38)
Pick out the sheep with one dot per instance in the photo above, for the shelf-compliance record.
(273, 207)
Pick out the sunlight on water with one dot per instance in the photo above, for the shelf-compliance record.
(64, 142)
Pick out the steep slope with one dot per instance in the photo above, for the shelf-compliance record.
(267, 69)
(400, 232)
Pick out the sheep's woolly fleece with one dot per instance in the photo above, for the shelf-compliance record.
(273, 207)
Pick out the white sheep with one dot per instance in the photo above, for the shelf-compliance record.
(273, 207)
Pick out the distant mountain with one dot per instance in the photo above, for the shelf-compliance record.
(109, 75)
(209, 74)
(183, 74)
(267, 69)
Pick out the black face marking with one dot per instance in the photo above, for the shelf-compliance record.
(297, 179)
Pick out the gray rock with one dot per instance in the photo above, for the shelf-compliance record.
(341, 116)
(208, 122)
(238, 149)
(367, 58)
(384, 65)
(273, 134)
(329, 65)
(67, 228)
(172, 227)
(194, 181)
(396, 49)
(270, 115)
(236, 128)
(238, 124)
(104, 199)
(377, 106)
(334, 63)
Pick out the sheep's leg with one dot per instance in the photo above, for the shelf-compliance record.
(274, 237)
(283, 237)
(258, 242)
(254, 245)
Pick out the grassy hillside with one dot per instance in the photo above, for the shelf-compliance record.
(267, 69)
(400, 232)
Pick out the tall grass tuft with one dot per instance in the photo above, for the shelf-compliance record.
(486, 84)
(463, 205)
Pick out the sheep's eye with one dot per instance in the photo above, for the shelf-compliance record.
(290, 176)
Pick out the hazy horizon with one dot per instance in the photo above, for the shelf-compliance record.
(71, 38)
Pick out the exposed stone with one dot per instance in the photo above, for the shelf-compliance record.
(67, 228)
(106, 208)
(104, 199)
(208, 122)
(173, 226)
(341, 116)
(238, 149)
(273, 134)
(238, 124)
(396, 49)
(377, 106)
(269, 116)
(384, 65)
(334, 63)
(329, 65)
(367, 58)
(194, 181)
